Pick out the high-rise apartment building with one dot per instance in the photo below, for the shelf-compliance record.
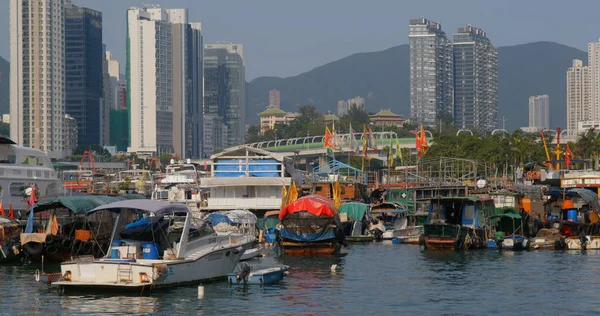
(275, 98)
(357, 103)
(475, 79)
(539, 112)
(579, 96)
(594, 67)
(112, 86)
(225, 94)
(37, 75)
(84, 74)
(164, 80)
(431, 87)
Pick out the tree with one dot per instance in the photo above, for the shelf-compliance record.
(355, 116)
(309, 115)
(165, 159)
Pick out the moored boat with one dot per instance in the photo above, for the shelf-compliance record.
(154, 245)
(354, 218)
(393, 217)
(60, 229)
(310, 226)
(10, 229)
(258, 277)
(412, 231)
(509, 231)
(457, 223)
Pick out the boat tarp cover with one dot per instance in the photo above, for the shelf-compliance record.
(79, 204)
(305, 227)
(237, 168)
(588, 196)
(313, 204)
(217, 218)
(355, 210)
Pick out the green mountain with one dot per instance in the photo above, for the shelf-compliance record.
(382, 78)
(4, 86)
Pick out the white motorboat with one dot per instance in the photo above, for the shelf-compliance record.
(181, 184)
(154, 244)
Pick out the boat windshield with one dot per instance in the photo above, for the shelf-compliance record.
(136, 228)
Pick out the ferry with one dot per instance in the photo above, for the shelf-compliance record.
(22, 168)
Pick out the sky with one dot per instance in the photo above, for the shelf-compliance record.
(286, 38)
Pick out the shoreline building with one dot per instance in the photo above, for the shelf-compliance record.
(84, 92)
(475, 79)
(37, 75)
(224, 96)
(431, 78)
(579, 100)
(273, 115)
(387, 118)
(539, 112)
(164, 81)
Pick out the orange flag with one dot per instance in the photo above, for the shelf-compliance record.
(328, 141)
(2, 209)
(11, 214)
(568, 155)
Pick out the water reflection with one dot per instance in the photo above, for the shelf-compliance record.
(110, 304)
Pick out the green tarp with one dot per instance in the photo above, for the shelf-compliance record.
(354, 210)
(80, 204)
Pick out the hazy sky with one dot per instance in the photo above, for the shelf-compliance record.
(285, 38)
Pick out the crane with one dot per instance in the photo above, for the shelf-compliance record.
(91, 164)
(546, 150)
(557, 151)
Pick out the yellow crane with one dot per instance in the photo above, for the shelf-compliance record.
(557, 151)
(546, 149)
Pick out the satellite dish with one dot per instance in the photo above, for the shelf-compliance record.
(481, 184)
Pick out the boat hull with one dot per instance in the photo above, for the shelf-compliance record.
(124, 275)
(260, 277)
(452, 237)
(293, 248)
(514, 243)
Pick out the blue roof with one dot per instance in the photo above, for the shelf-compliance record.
(150, 206)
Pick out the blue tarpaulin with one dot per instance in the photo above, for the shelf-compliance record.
(324, 235)
(231, 168)
(216, 218)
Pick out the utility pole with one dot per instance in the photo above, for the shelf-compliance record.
(504, 122)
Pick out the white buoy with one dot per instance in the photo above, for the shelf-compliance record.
(201, 291)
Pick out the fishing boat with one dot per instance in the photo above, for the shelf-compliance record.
(10, 230)
(412, 231)
(154, 245)
(133, 181)
(310, 226)
(458, 223)
(393, 217)
(354, 218)
(263, 276)
(58, 228)
(509, 231)
(545, 239)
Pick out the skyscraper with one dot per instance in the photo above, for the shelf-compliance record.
(164, 80)
(342, 108)
(275, 98)
(112, 93)
(579, 100)
(225, 93)
(594, 68)
(431, 87)
(37, 75)
(539, 112)
(83, 73)
(475, 79)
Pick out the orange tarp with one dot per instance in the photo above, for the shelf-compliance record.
(83, 235)
(314, 204)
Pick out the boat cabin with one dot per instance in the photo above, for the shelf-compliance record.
(464, 211)
(245, 178)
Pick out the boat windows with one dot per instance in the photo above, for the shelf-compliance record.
(18, 188)
(31, 160)
(200, 229)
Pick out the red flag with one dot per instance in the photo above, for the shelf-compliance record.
(328, 141)
(2, 209)
(417, 141)
(32, 196)
(568, 155)
(11, 214)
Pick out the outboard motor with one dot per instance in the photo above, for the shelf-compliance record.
(377, 234)
(583, 241)
(244, 273)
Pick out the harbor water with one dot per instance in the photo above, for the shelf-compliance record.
(382, 278)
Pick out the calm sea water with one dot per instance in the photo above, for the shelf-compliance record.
(380, 278)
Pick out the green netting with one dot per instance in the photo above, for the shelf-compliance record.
(80, 204)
